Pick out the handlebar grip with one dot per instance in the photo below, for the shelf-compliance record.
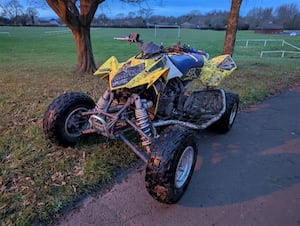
(122, 38)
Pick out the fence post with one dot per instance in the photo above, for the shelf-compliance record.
(261, 54)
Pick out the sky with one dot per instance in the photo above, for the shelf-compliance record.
(111, 8)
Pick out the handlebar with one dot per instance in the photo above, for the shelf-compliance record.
(133, 37)
(126, 38)
(150, 49)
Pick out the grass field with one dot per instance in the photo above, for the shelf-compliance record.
(37, 180)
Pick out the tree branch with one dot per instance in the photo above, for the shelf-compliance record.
(67, 12)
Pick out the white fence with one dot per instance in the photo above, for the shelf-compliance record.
(266, 41)
(283, 52)
(4, 33)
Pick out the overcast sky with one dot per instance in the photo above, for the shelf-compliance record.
(176, 8)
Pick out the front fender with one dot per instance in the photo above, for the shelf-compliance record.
(148, 78)
(110, 65)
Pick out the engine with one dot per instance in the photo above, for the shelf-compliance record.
(171, 99)
(200, 105)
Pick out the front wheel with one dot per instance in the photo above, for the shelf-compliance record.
(63, 122)
(171, 164)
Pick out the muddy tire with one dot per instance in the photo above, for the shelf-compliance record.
(63, 122)
(171, 164)
(224, 124)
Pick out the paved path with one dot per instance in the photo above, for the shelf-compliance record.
(250, 176)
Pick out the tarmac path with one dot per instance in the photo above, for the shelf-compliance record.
(250, 176)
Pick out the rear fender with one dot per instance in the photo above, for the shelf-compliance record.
(216, 70)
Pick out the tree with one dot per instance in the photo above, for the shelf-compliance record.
(131, 15)
(145, 12)
(13, 9)
(287, 15)
(232, 25)
(32, 13)
(78, 16)
(258, 16)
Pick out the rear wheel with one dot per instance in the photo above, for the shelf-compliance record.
(224, 124)
(171, 165)
(63, 122)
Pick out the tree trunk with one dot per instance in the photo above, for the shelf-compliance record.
(232, 25)
(85, 59)
(78, 18)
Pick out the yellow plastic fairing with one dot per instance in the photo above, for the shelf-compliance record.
(153, 70)
(216, 70)
(145, 78)
(108, 66)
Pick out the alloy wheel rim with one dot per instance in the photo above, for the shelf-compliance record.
(75, 122)
(233, 114)
(184, 167)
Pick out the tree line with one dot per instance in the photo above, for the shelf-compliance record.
(13, 13)
(286, 15)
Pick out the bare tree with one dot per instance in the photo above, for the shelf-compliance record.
(287, 15)
(145, 12)
(12, 9)
(78, 16)
(131, 14)
(32, 13)
(259, 15)
(232, 25)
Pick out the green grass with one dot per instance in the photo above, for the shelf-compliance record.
(37, 180)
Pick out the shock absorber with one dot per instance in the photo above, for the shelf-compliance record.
(103, 100)
(98, 122)
(142, 119)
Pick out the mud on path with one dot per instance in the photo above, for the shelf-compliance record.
(250, 176)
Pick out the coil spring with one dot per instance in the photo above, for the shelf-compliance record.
(142, 122)
(102, 102)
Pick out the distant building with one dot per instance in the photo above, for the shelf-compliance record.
(269, 28)
(48, 23)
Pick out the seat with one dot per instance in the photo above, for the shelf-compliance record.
(184, 62)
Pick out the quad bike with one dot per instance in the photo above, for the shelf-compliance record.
(146, 93)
